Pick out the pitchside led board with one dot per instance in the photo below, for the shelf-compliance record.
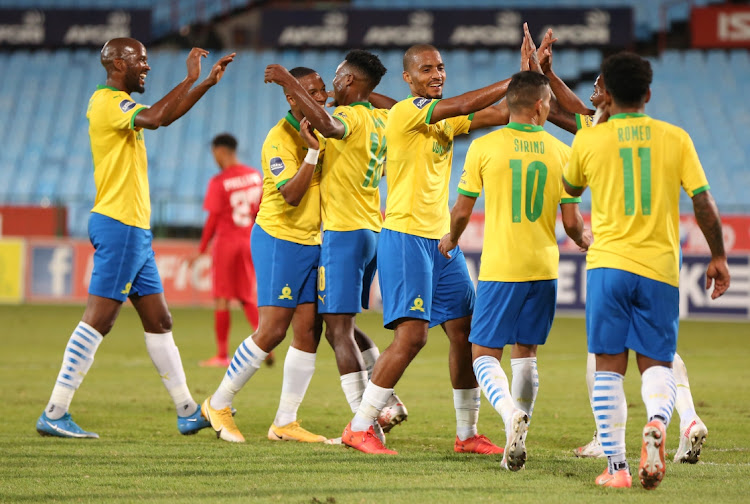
(58, 270)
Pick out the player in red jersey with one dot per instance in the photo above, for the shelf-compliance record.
(232, 201)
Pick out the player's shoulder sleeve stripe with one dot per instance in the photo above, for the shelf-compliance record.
(701, 189)
(578, 121)
(468, 193)
(430, 110)
(132, 118)
(346, 126)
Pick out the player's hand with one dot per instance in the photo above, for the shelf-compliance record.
(718, 274)
(544, 53)
(446, 245)
(587, 238)
(277, 74)
(217, 71)
(529, 60)
(194, 62)
(307, 132)
(193, 257)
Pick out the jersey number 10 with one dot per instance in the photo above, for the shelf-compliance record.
(644, 155)
(534, 201)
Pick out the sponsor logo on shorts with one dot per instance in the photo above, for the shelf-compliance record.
(421, 102)
(126, 290)
(277, 166)
(418, 304)
(126, 105)
(286, 293)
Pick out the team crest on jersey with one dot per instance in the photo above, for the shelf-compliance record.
(421, 102)
(126, 105)
(276, 166)
(340, 114)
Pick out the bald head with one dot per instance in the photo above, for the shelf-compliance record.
(412, 54)
(119, 48)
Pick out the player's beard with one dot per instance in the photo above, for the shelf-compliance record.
(133, 81)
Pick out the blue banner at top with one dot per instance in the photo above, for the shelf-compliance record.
(445, 28)
(71, 27)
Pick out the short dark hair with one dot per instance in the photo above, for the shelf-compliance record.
(367, 63)
(225, 140)
(412, 52)
(299, 72)
(627, 78)
(524, 89)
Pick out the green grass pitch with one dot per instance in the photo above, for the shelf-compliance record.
(142, 457)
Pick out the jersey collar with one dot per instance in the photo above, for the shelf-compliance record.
(107, 87)
(524, 127)
(627, 115)
(291, 120)
(363, 103)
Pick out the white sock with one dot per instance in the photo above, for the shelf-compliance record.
(77, 360)
(494, 383)
(611, 413)
(466, 402)
(246, 361)
(525, 384)
(353, 385)
(684, 401)
(299, 367)
(373, 401)
(166, 358)
(658, 391)
(370, 356)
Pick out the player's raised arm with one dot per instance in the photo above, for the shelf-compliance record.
(317, 116)
(195, 94)
(707, 216)
(160, 112)
(295, 188)
(567, 98)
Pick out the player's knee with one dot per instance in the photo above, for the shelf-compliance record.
(164, 322)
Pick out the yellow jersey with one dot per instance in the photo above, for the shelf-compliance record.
(282, 154)
(635, 166)
(352, 170)
(119, 154)
(520, 169)
(419, 167)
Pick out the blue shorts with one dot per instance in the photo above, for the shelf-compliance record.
(286, 272)
(628, 311)
(513, 312)
(417, 282)
(347, 268)
(123, 260)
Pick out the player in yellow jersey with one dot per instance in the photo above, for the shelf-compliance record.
(285, 245)
(577, 116)
(119, 229)
(635, 166)
(420, 288)
(519, 168)
(350, 199)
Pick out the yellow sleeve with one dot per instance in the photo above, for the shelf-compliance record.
(349, 117)
(693, 177)
(584, 121)
(282, 162)
(573, 172)
(461, 124)
(121, 111)
(471, 178)
(412, 113)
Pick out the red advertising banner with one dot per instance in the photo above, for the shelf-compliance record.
(736, 234)
(720, 26)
